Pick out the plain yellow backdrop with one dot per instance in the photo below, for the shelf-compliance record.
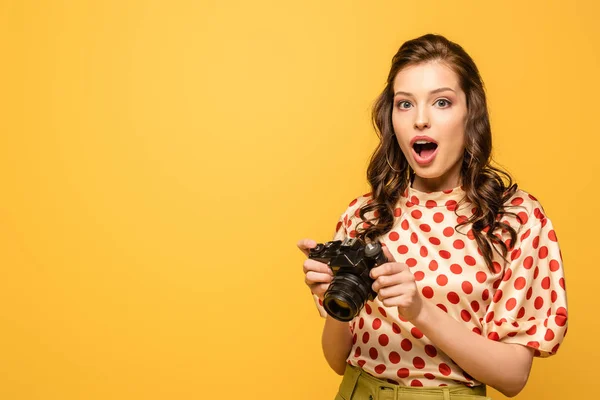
(160, 159)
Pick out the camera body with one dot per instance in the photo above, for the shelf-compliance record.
(351, 261)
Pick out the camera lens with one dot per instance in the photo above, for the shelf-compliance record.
(345, 297)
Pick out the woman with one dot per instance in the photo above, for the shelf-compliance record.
(474, 288)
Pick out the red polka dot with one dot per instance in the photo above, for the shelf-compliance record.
(445, 254)
(380, 369)
(535, 345)
(538, 303)
(458, 244)
(395, 328)
(361, 363)
(521, 313)
(368, 309)
(353, 202)
(402, 249)
(538, 213)
(427, 292)
(453, 297)
(497, 295)
(529, 293)
(394, 357)
(411, 262)
(404, 225)
(433, 265)
(519, 283)
(425, 228)
(365, 337)
(489, 317)
(516, 201)
(455, 268)
(481, 276)
(376, 323)
(403, 373)
(561, 282)
(522, 217)
(416, 214)
(352, 234)
(438, 217)
(418, 363)
(394, 236)
(485, 294)
(497, 267)
(419, 275)
(511, 304)
(373, 353)
(536, 242)
(423, 251)
(470, 234)
(470, 260)
(543, 253)
(435, 241)
(430, 204)
(445, 369)
(528, 262)
(546, 283)
(451, 205)
(475, 305)
(461, 219)
(430, 350)
(442, 307)
(531, 331)
(554, 265)
(507, 275)
(467, 287)
(416, 332)
(382, 311)
(552, 236)
(429, 376)
(338, 226)
(493, 336)
(553, 296)
(416, 383)
(357, 352)
(354, 339)
(442, 280)
(448, 231)
(549, 335)
(414, 238)
(397, 212)
(406, 345)
(465, 315)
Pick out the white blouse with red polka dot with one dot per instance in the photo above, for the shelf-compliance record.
(522, 301)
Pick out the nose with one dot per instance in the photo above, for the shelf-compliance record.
(421, 124)
(422, 120)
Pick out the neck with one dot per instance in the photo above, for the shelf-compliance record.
(437, 184)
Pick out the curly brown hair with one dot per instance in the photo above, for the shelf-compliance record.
(483, 184)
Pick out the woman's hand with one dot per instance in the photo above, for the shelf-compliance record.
(318, 275)
(395, 286)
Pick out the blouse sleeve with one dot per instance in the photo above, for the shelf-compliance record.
(529, 306)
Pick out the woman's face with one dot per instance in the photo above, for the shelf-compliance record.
(429, 113)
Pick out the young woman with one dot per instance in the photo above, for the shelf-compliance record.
(474, 287)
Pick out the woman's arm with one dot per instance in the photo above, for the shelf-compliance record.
(337, 343)
(503, 366)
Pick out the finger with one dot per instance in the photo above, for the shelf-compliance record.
(387, 253)
(305, 245)
(389, 268)
(319, 289)
(317, 266)
(386, 281)
(394, 291)
(316, 277)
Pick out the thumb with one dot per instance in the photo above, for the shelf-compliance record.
(387, 253)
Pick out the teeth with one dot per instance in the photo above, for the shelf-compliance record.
(421, 142)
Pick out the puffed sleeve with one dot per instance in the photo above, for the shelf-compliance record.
(529, 306)
(345, 227)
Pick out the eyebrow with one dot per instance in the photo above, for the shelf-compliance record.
(443, 89)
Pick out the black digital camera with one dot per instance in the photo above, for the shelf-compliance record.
(351, 261)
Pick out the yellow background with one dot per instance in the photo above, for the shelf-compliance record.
(160, 159)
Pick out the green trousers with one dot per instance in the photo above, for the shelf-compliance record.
(359, 385)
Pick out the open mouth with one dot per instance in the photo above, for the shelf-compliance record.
(424, 148)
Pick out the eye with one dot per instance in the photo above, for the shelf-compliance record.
(402, 105)
(443, 103)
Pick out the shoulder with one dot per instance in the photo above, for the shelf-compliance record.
(523, 209)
